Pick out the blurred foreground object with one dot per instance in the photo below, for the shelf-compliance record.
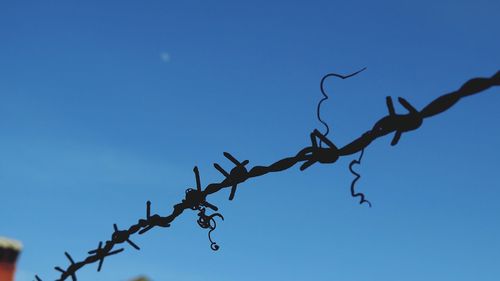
(141, 278)
(9, 251)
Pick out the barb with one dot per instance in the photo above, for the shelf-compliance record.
(64, 272)
(195, 199)
(101, 253)
(353, 183)
(121, 236)
(325, 96)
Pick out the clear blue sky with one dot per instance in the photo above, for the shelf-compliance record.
(106, 104)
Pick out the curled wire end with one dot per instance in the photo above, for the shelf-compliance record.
(365, 201)
(353, 183)
(205, 221)
(213, 244)
(325, 96)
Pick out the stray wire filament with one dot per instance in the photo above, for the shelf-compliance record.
(325, 96)
(353, 183)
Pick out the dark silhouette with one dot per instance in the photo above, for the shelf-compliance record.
(205, 221)
(353, 183)
(237, 175)
(72, 274)
(470, 87)
(325, 96)
(195, 199)
(397, 122)
(316, 153)
(121, 236)
(100, 252)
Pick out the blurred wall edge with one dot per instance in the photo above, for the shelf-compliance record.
(9, 251)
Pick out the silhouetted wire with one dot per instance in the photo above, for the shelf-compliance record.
(195, 199)
(353, 183)
(325, 96)
(208, 221)
(213, 244)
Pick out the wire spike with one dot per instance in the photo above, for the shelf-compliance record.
(69, 257)
(133, 244)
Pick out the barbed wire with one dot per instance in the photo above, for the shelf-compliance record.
(196, 198)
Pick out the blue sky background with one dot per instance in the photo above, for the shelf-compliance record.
(106, 104)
